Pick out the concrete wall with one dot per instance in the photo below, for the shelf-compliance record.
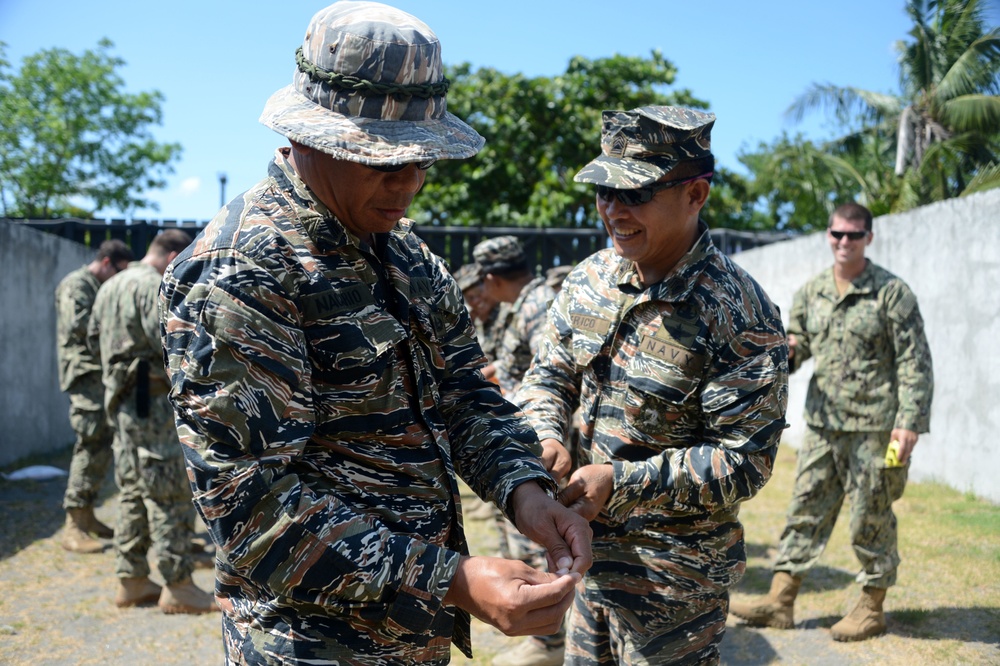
(949, 254)
(35, 412)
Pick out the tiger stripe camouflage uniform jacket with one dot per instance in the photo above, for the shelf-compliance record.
(326, 394)
(682, 388)
(520, 339)
(873, 369)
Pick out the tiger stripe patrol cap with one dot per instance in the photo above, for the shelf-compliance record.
(369, 87)
(640, 146)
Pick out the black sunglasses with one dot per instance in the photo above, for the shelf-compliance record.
(393, 168)
(641, 195)
(853, 235)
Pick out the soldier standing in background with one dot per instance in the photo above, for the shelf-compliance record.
(872, 384)
(507, 278)
(678, 361)
(80, 377)
(154, 501)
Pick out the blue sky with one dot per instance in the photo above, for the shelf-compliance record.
(217, 62)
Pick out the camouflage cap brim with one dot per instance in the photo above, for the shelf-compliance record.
(368, 140)
(625, 173)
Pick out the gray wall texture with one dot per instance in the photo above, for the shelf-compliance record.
(949, 254)
(34, 410)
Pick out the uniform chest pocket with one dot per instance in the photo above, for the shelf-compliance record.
(659, 399)
(864, 320)
(353, 349)
(818, 320)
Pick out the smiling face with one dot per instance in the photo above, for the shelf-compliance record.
(365, 201)
(848, 254)
(655, 235)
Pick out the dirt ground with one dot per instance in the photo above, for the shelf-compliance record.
(56, 607)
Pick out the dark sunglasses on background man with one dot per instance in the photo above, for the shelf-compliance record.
(853, 235)
(393, 168)
(641, 195)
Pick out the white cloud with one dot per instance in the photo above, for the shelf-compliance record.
(189, 186)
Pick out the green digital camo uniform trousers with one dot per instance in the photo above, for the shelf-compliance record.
(154, 505)
(832, 465)
(92, 450)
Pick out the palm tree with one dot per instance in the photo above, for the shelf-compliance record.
(946, 121)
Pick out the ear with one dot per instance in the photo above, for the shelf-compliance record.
(697, 194)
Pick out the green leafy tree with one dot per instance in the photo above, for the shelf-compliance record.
(943, 127)
(539, 133)
(72, 141)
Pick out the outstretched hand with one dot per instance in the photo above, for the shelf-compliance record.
(511, 596)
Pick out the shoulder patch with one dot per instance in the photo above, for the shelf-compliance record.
(903, 307)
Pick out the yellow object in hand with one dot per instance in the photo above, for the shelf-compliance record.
(892, 454)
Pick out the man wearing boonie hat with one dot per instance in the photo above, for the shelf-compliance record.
(678, 362)
(327, 388)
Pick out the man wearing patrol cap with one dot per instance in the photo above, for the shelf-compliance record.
(327, 388)
(678, 362)
(508, 278)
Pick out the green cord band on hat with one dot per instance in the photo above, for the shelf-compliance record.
(317, 74)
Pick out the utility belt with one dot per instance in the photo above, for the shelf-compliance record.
(147, 387)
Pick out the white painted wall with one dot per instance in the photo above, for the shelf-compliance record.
(949, 254)
(34, 412)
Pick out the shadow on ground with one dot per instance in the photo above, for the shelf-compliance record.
(32, 510)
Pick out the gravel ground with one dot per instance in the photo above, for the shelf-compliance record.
(56, 607)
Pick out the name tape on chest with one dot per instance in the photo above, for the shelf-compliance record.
(669, 352)
(590, 324)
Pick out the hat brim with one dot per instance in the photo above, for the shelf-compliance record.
(368, 140)
(624, 173)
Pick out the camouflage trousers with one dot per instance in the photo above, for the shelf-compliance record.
(92, 449)
(155, 511)
(832, 465)
(622, 616)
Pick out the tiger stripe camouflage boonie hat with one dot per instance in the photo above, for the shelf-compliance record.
(640, 146)
(369, 87)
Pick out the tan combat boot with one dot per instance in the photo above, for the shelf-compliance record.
(186, 597)
(94, 526)
(75, 538)
(865, 621)
(774, 610)
(136, 592)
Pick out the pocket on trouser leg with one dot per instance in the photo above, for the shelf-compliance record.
(894, 481)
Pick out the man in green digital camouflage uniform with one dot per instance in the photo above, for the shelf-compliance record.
(678, 361)
(154, 499)
(80, 378)
(509, 279)
(327, 381)
(872, 384)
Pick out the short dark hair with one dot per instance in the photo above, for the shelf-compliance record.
(170, 240)
(852, 211)
(115, 250)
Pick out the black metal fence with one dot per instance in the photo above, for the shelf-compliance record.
(548, 247)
